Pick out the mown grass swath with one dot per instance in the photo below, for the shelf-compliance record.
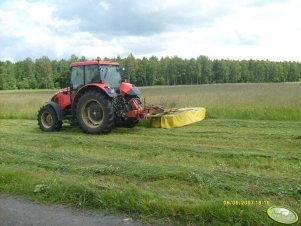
(179, 176)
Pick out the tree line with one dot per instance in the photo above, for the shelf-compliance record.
(44, 73)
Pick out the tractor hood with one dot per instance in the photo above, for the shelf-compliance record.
(59, 92)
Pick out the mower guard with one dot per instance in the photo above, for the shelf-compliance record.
(178, 118)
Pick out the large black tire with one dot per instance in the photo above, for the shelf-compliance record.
(48, 120)
(94, 113)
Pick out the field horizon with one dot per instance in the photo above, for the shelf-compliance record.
(258, 101)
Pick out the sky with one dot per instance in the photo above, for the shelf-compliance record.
(219, 29)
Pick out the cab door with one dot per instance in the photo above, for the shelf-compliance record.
(77, 80)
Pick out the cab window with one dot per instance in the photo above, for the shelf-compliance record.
(92, 74)
(111, 75)
(77, 77)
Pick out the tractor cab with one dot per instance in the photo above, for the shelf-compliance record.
(95, 72)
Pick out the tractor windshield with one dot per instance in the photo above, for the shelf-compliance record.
(111, 75)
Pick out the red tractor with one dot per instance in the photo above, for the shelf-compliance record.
(97, 99)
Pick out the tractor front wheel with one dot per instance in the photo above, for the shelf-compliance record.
(48, 120)
(94, 113)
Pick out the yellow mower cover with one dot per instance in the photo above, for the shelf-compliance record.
(182, 117)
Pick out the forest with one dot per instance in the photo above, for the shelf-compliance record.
(44, 73)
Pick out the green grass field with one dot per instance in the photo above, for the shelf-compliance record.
(178, 176)
(275, 101)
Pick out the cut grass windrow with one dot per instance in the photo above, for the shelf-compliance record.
(178, 176)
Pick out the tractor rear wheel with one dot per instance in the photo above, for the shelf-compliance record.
(48, 120)
(94, 113)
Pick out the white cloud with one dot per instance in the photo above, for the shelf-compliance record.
(104, 5)
(271, 32)
(187, 28)
(37, 32)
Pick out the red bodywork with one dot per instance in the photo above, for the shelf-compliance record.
(138, 111)
(125, 87)
(63, 100)
(63, 97)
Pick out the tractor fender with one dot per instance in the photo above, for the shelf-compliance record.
(129, 89)
(101, 87)
(134, 91)
(57, 109)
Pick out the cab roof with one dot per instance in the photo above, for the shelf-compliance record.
(93, 62)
